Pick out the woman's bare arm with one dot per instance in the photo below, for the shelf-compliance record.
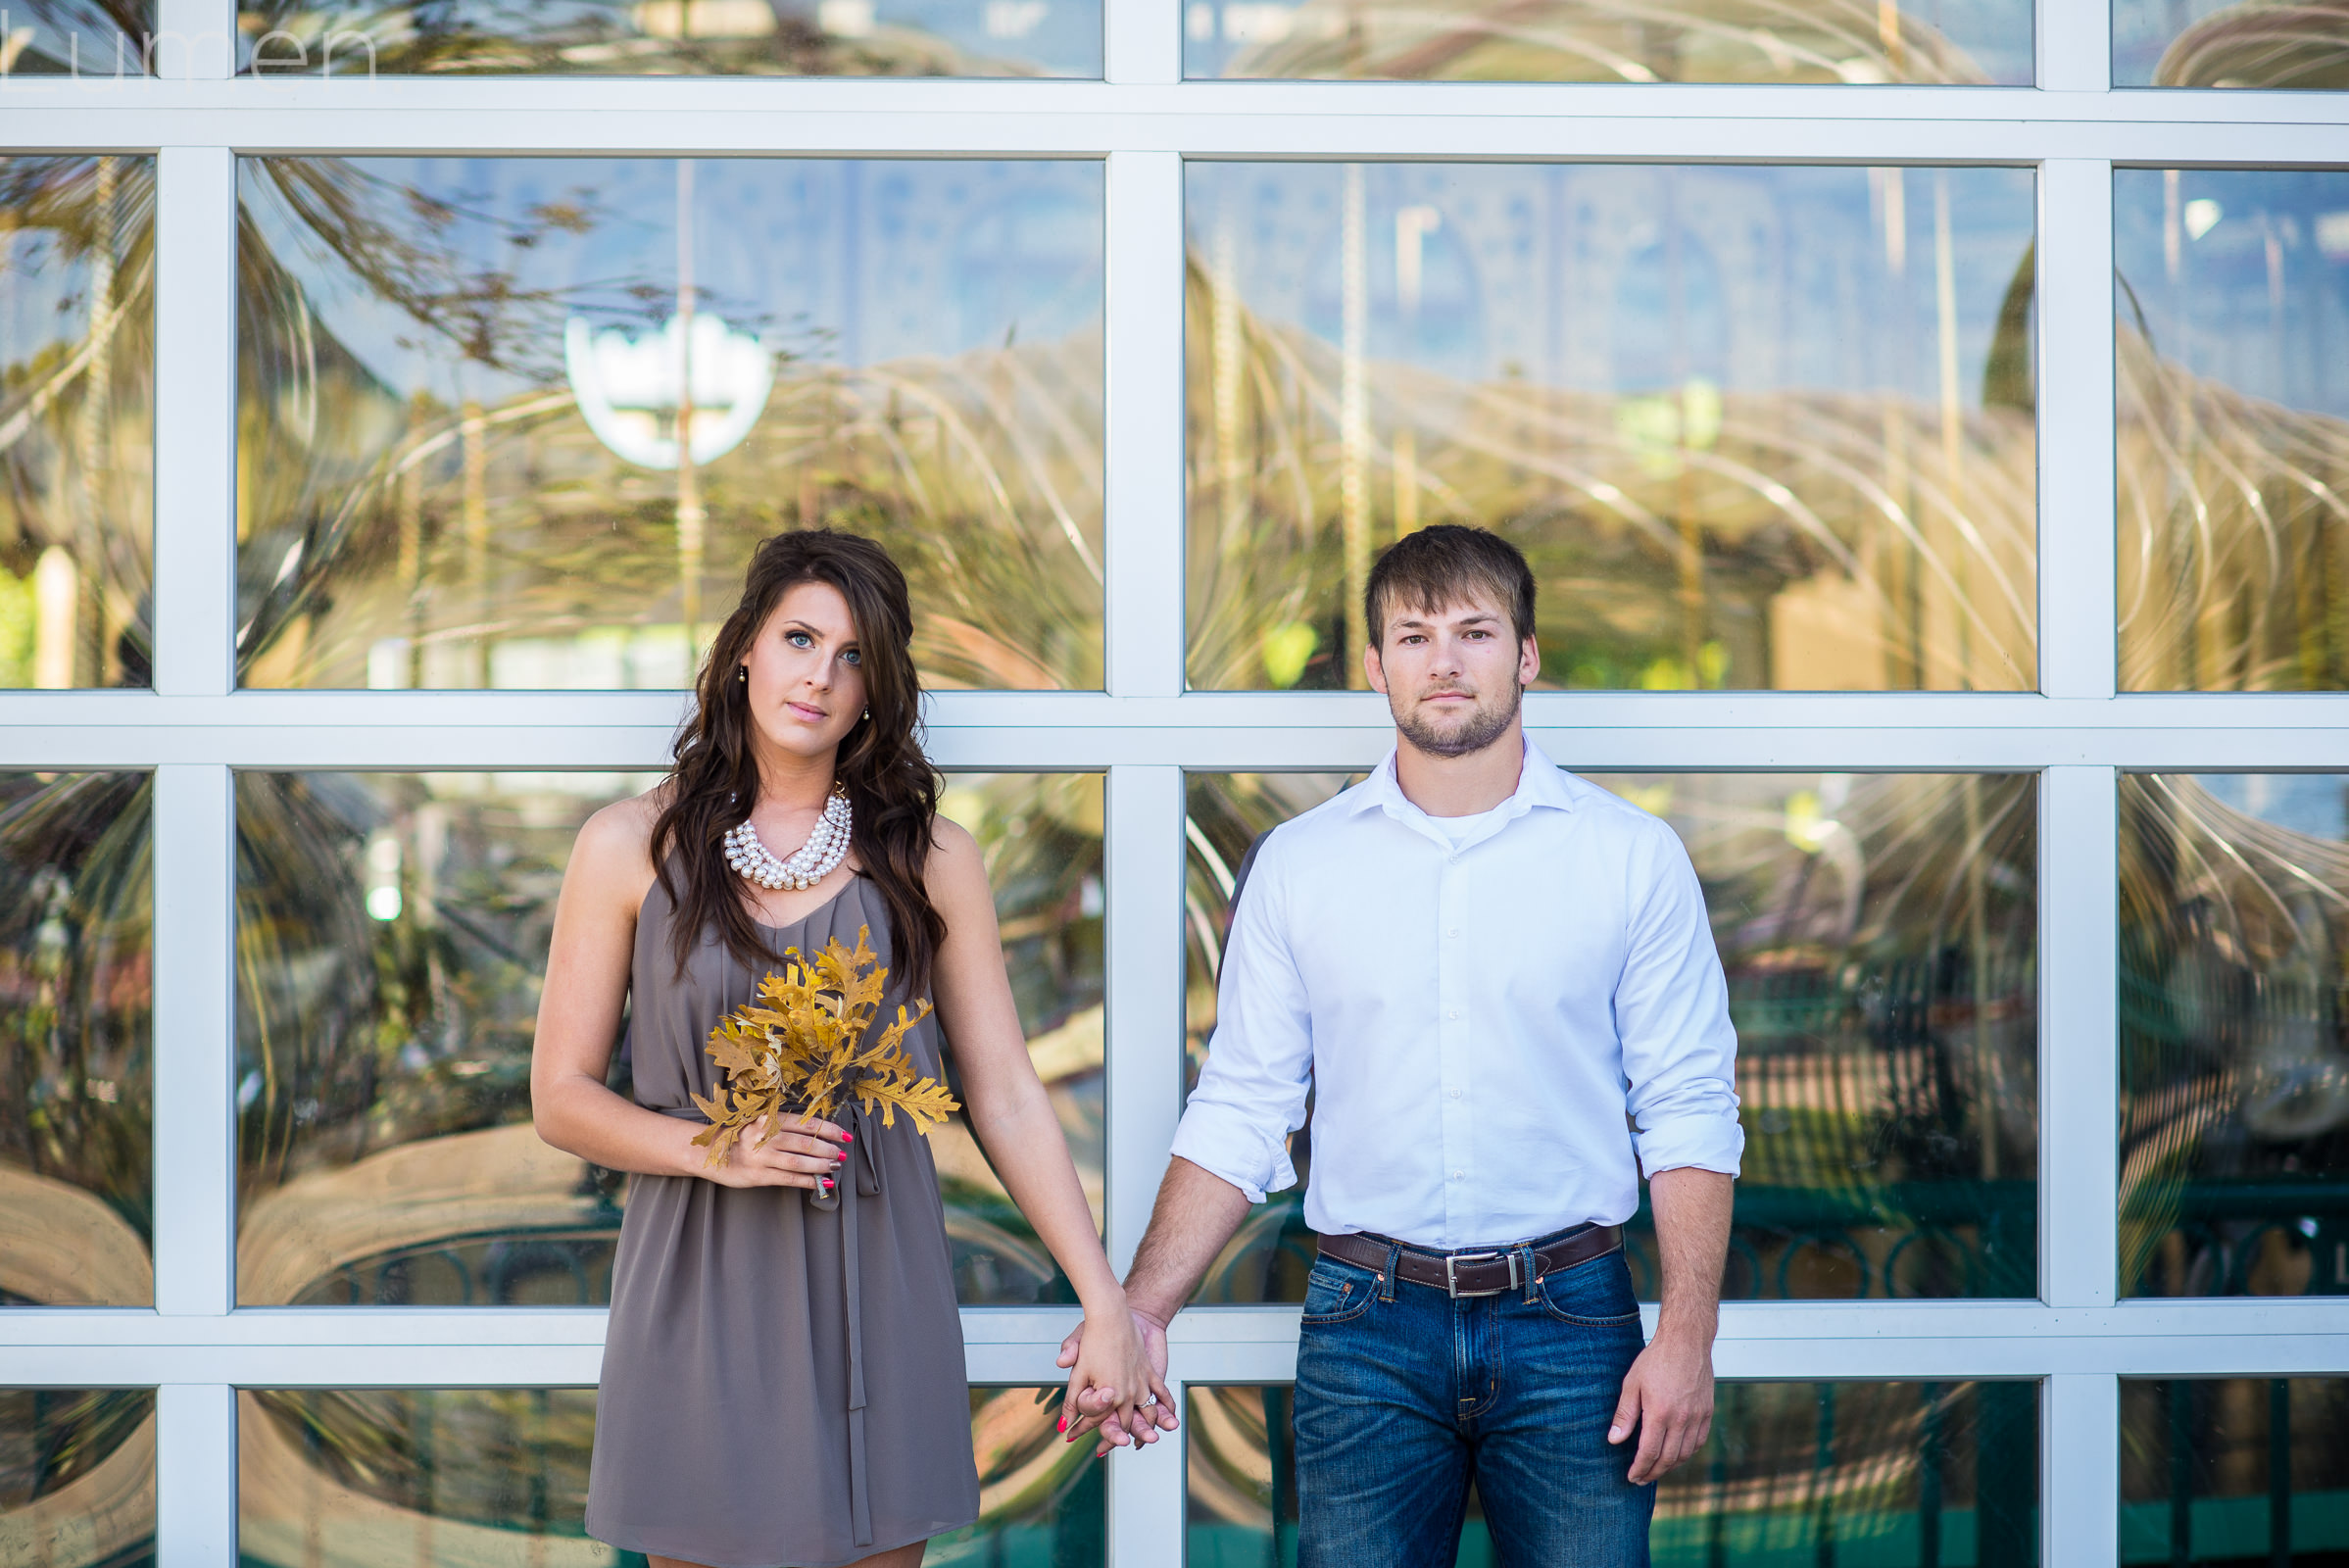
(579, 1019)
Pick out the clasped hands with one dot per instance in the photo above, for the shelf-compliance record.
(1094, 1403)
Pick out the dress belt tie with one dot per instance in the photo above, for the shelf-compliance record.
(865, 1183)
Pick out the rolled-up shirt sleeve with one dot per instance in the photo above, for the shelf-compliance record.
(1680, 1051)
(1251, 1092)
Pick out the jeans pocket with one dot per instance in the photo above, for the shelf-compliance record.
(1593, 1295)
(1338, 1292)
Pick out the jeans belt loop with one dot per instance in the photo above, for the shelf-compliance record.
(1533, 1275)
(1394, 1261)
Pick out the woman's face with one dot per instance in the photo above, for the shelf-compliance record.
(807, 679)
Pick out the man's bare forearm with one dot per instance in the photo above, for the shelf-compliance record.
(1195, 1213)
(1693, 1220)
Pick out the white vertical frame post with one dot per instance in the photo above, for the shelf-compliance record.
(2075, 45)
(195, 1476)
(194, 39)
(195, 954)
(1142, 42)
(2079, 1469)
(1143, 498)
(2079, 1036)
(195, 421)
(1145, 856)
(2079, 544)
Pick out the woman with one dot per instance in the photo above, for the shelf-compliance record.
(783, 1377)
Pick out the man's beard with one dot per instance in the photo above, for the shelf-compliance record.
(1479, 728)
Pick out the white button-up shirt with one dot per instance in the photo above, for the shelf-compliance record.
(1476, 1020)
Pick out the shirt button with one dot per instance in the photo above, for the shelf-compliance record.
(1455, 1094)
(1454, 932)
(1458, 1175)
(1454, 1013)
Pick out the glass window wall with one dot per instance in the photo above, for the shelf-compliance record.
(1893, 1475)
(497, 1478)
(1880, 936)
(77, 1478)
(392, 934)
(2234, 1470)
(2233, 381)
(2234, 988)
(2230, 43)
(674, 37)
(86, 38)
(1853, 41)
(76, 414)
(77, 1034)
(1755, 427)
(461, 383)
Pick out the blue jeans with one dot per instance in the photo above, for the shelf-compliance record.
(1404, 1394)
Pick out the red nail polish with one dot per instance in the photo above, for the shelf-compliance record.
(1061, 1425)
(847, 1138)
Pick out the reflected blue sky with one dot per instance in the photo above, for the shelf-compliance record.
(2314, 804)
(839, 262)
(2241, 275)
(1629, 279)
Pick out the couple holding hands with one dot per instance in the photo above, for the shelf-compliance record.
(1498, 981)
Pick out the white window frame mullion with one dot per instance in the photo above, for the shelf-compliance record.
(195, 39)
(1142, 42)
(2080, 992)
(2079, 1468)
(195, 1476)
(2079, 508)
(195, 421)
(2075, 45)
(1143, 438)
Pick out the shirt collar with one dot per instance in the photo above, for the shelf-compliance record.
(1538, 783)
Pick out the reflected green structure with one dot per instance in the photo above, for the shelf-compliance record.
(391, 939)
(77, 1477)
(462, 382)
(2234, 1470)
(1856, 42)
(2279, 45)
(670, 37)
(2234, 987)
(496, 1477)
(2233, 287)
(1879, 937)
(76, 1040)
(1885, 1475)
(1754, 427)
(77, 413)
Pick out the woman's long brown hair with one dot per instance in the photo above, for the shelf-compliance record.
(893, 791)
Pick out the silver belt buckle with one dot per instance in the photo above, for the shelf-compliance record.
(1451, 1273)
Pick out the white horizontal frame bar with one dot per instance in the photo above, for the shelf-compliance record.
(1389, 127)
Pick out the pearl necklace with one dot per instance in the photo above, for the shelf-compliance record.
(808, 864)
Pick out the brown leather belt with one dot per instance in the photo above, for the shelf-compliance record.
(1486, 1272)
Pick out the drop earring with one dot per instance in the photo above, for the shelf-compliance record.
(742, 673)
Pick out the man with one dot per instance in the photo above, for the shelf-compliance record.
(1481, 964)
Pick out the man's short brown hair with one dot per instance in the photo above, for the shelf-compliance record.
(1445, 565)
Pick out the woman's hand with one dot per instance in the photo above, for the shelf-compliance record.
(1111, 1380)
(806, 1152)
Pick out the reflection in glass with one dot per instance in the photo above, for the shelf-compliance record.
(457, 461)
(674, 37)
(2234, 1470)
(1613, 40)
(1880, 936)
(77, 417)
(2230, 43)
(392, 934)
(85, 38)
(2235, 972)
(2233, 382)
(77, 1477)
(1896, 1475)
(498, 1477)
(76, 1030)
(1755, 427)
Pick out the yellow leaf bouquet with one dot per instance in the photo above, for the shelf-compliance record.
(801, 1048)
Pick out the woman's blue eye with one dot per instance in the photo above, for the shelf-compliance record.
(798, 639)
(851, 657)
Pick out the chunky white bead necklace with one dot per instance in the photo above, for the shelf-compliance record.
(808, 864)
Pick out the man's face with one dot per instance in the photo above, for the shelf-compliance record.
(1454, 675)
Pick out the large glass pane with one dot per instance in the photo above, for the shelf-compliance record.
(498, 1477)
(2234, 383)
(1754, 427)
(461, 382)
(392, 934)
(76, 1031)
(2234, 1470)
(1879, 937)
(674, 37)
(1612, 40)
(77, 1478)
(77, 417)
(86, 38)
(2235, 986)
(2230, 43)
(1893, 1475)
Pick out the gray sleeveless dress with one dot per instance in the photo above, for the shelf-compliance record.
(783, 1382)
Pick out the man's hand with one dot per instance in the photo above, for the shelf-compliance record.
(1090, 1412)
(1668, 1399)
